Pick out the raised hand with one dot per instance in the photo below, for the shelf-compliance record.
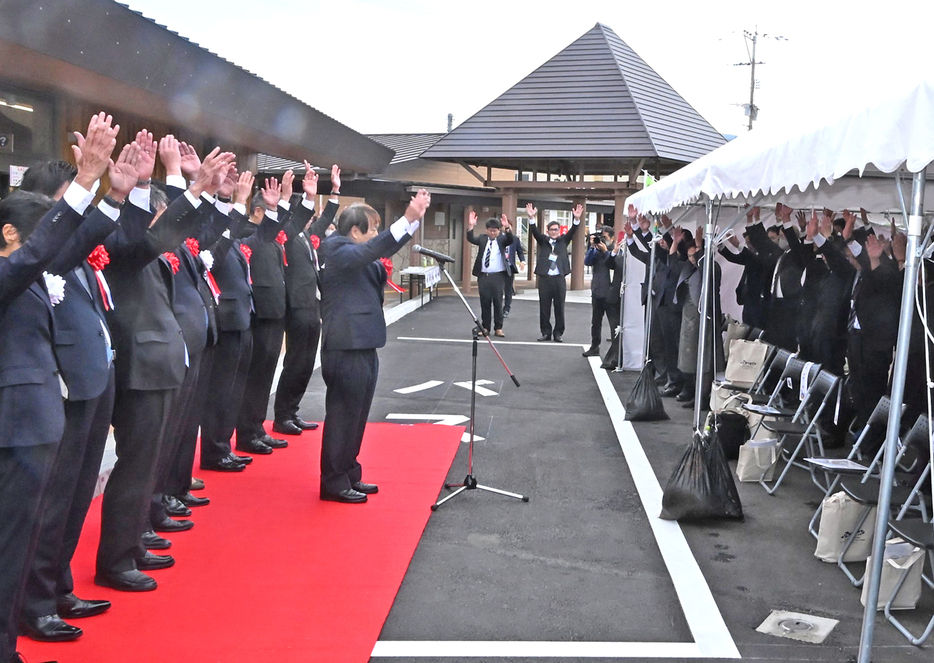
(123, 173)
(504, 220)
(310, 181)
(734, 240)
(92, 154)
(244, 188)
(335, 180)
(676, 236)
(211, 173)
(578, 211)
(644, 224)
(899, 247)
(666, 221)
(780, 212)
(230, 182)
(627, 230)
(418, 205)
(190, 163)
(287, 178)
(802, 219)
(147, 154)
(849, 220)
(272, 192)
(631, 211)
(471, 220)
(873, 247)
(531, 211)
(170, 155)
(813, 225)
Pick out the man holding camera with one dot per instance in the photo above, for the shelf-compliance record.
(604, 287)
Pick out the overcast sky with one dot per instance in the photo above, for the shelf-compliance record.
(388, 66)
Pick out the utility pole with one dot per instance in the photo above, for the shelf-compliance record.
(751, 110)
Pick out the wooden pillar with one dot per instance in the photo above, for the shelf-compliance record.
(577, 248)
(466, 266)
(510, 202)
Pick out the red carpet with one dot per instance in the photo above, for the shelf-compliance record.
(270, 572)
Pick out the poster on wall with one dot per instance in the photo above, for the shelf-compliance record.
(16, 174)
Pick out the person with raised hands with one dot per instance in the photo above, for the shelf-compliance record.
(151, 362)
(32, 232)
(85, 357)
(303, 314)
(353, 327)
(490, 268)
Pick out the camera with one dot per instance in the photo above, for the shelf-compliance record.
(596, 238)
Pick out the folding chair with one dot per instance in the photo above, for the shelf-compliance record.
(774, 406)
(920, 534)
(849, 466)
(803, 426)
(774, 364)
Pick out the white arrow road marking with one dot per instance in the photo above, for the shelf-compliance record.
(437, 419)
(418, 387)
(483, 391)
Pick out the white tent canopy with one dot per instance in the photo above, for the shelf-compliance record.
(794, 165)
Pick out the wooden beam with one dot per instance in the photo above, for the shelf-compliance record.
(469, 169)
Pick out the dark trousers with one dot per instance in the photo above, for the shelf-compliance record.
(552, 290)
(267, 345)
(302, 330)
(350, 376)
(783, 319)
(139, 421)
(510, 291)
(868, 381)
(24, 472)
(169, 449)
(225, 390)
(600, 307)
(67, 500)
(669, 327)
(179, 478)
(491, 287)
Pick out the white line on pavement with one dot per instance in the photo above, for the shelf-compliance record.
(418, 387)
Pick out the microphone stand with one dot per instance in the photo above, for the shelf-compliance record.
(470, 481)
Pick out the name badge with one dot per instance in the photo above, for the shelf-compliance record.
(553, 257)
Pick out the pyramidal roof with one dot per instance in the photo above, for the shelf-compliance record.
(596, 105)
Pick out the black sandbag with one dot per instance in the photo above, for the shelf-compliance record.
(645, 403)
(702, 486)
(733, 432)
(609, 359)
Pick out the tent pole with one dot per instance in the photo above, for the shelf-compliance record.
(912, 265)
(622, 306)
(648, 300)
(706, 288)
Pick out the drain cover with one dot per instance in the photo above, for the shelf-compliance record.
(797, 626)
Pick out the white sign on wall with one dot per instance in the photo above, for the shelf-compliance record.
(16, 175)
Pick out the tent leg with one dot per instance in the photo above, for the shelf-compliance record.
(706, 289)
(912, 266)
(648, 300)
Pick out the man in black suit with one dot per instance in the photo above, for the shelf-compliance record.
(515, 259)
(551, 267)
(31, 390)
(302, 316)
(490, 268)
(151, 362)
(753, 291)
(85, 357)
(605, 282)
(353, 327)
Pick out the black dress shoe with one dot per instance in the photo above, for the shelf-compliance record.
(684, 396)
(286, 428)
(304, 425)
(197, 484)
(151, 562)
(558, 338)
(173, 507)
(70, 606)
(544, 337)
(224, 465)
(190, 500)
(152, 541)
(591, 352)
(366, 488)
(254, 446)
(272, 442)
(169, 525)
(243, 460)
(348, 496)
(48, 628)
(127, 581)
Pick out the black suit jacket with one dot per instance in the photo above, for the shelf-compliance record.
(301, 274)
(267, 265)
(193, 302)
(31, 411)
(607, 274)
(231, 272)
(514, 252)
(352, 284)
(504, 240)
(150, 345)
(563, 263)
(80, 320)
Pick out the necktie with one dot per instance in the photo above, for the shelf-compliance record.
(851, 320)
(486, 257)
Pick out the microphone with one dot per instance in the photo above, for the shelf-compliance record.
(440, 257)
